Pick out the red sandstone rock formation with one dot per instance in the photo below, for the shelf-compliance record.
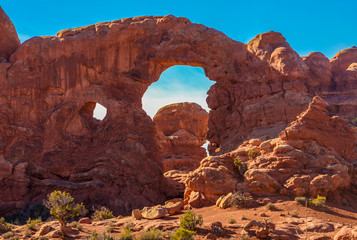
(49, 87)
(182, 129)
(314, 156)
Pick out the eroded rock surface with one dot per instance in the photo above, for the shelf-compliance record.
(50, 85)
(182, 129)
(314, 156)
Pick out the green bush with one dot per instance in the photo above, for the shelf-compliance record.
(4, 226)
(319, 201)
(102, 214)
(354, 121)
(183, 234)
(33, 225)
(127, 234)
(152, 234)
(242, 167)
(252, 154)
(190, 220)
(63, 208)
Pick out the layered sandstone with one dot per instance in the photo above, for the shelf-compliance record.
(314, 156)
(50, 85)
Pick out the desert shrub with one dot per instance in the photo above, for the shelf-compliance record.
(301, 200)
(102, 214)
(244, 237)
(4, 226)
(319, 201)
(76, 225)
(169, 233)
(103, 236)
(33, 225)
(190, 220)
(354, 121)
(152, 234)
(28, 233)
(252, 154)
(62, 207)
(110, 227)
(127, 234)
(270, 206)
(231, 220)
(183, 234)
(8, 235)
(294, 213)
(241, 166)
(43, 238)
(239, 200)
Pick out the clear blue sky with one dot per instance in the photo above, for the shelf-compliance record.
(326, 26)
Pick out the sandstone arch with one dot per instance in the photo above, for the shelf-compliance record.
(260, 88)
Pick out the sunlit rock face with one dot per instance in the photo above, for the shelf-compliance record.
(181, 130)
(50, 86)
(315, 155)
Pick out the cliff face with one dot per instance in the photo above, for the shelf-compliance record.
(49, 139)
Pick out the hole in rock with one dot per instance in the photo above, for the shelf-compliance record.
(99, 111)
(177, 84)
(182, 126)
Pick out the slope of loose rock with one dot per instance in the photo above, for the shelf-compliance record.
(314, 156)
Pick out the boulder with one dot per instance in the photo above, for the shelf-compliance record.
(85, 220)
(155, 212)
(136, 214)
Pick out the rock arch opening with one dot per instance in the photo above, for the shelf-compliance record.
(179, 83)
(93, 112)
(177, 105)
(99, 112)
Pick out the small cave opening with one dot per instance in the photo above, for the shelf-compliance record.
(177, 105)
(91, 114)
(99, 112)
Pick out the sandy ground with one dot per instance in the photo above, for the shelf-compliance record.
(285, 211)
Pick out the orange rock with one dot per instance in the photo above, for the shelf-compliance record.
(311, 157)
